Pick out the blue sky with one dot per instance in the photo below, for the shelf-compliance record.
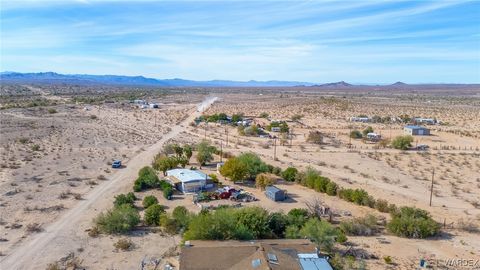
(315, 41)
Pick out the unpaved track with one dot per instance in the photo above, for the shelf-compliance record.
(64, 234)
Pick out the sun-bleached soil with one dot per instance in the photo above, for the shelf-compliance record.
(66, 181)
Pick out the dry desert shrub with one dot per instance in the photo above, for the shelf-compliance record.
(124, 244)
(468, 226)
(34, 228)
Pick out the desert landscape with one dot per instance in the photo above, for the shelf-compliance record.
(57, 174)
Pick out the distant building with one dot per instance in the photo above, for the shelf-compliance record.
(428, 121)
(188, 181)
(374, 137)
(276, 129)
(278, 254)
(139, 101)
(416, 130)
(274, 193)
(360, 119)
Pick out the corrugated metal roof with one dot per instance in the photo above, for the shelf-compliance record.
(415, 127)
(313, 262)
(185, 175)
(272, 189)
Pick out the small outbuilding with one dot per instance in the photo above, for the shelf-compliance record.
(374, 137)
(188, 181)
(416, 130)
(275, 194)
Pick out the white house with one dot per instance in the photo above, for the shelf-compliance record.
(188, 181)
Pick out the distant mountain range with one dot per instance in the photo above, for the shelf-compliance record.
(52, 77)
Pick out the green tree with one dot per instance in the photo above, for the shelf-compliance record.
(168, 192)
(168, 223)
(284, 127)
(181, 215)
(204, 152)
(183, 161)
(263, 180)
(164, 163)
(120, 219)
(263, 115)
(128, 198)
(355, 134)
(369, 129)
(297, 217)
(412, 222)
(255, 219)
(331, 188)
(402, 142)
(178, 150)
(253, 163)
(320, 232)
(152, 214)
(278, 222)
(188, 151)
(237, 117)
(149, 200)
(147, 178)
(234, 169)
(217, 225)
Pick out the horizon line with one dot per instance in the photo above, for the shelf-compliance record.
(250, 80)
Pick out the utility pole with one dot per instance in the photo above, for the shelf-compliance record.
(431, 188)
(291, 138)
(275, 148)
(226, 133)
(205, 136)
(350, 137)
(221, 151)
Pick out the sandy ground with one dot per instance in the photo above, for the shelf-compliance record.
(67, 232)
(403, 178)
(79, 154)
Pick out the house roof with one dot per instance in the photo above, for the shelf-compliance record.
(415, 127)
(185, 175)
(275, 254)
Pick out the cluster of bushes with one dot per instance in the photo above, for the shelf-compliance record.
(364, 226)
(312, 178)
(315, 137)
(165, 161)
(402, 142)
(128, 198)
(357, 196)
(246, 166)
(205, 152)
(281, 124)
(356, 134)
(252, 130)
(257, 223)
(120, 219)
(123, 217)
(220, 117)
(249, 166)
(412, 223)
(147, 178)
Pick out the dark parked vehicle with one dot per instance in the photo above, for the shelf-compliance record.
(116, 164)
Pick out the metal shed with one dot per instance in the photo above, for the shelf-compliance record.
(274, 193)
(416, 130)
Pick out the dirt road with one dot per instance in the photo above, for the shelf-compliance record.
(68, 232)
